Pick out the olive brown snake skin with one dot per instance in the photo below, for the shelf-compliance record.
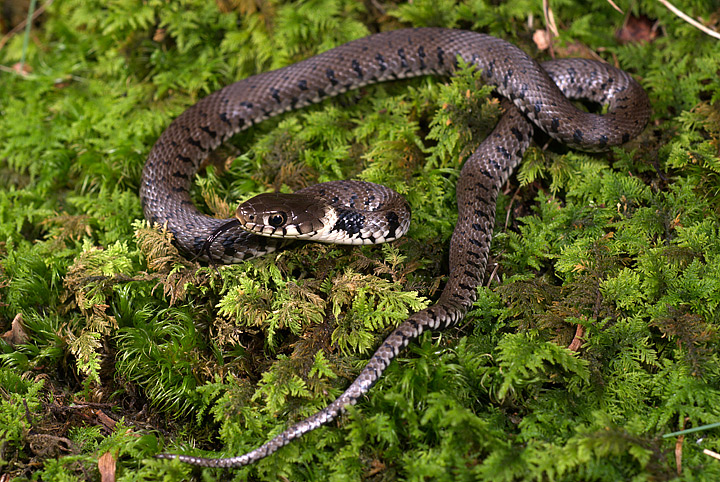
(539, 94)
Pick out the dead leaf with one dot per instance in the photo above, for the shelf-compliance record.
(16, 335)
(541, 39)
(637, 30)
(106, 466)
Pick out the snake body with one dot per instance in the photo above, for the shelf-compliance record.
(538, 95)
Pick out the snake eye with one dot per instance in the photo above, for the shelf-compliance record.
(278, 219)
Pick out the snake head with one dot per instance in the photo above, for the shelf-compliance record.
(279, 215)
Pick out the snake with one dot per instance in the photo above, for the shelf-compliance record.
(536, 95)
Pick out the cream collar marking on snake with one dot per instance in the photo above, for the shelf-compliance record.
(540, 93)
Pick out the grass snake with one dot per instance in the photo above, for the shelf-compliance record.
(539, 95)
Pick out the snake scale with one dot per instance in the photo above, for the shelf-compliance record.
(539, 96)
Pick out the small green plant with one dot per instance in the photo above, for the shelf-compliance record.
(595, 335)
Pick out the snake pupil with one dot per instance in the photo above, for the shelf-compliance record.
(276, 220)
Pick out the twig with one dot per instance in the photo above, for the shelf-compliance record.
(550, 26)
(615, 6)
(711, 453)
(550, 18)
(689, 20)
(578, 338)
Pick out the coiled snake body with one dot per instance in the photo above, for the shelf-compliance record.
(538, 93)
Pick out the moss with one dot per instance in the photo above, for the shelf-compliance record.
(596, 334)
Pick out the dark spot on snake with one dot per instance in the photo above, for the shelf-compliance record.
(246, 104)
(475, 242)
(208, 131)
(477, 227)
(473, 253)
(184, 159)
(357, 69)
(403, 59)
(464, 286)
(625, 137)
(421, 55)
(321, 93)
(330, 74)
(334, 200)
(349, 221)
(505, 154)
(507, 77)
(554, 124)
(381, 62)
(469, 273)
(275, 94)
(603, 140)
(393, 224)
(537, 107)
(577, 135)
(223, 117)
(518, 135)
(178, 189)
(474, 264)
(572, 73)
(490, 69)
(293, 102)
(180, 175)
(302, 85)
(486, 174)
(440, 55)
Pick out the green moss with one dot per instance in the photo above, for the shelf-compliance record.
(596, 335)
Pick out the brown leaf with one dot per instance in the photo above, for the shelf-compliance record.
(541, 39)
(106, 466)
(16, 335)
(637, 29)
